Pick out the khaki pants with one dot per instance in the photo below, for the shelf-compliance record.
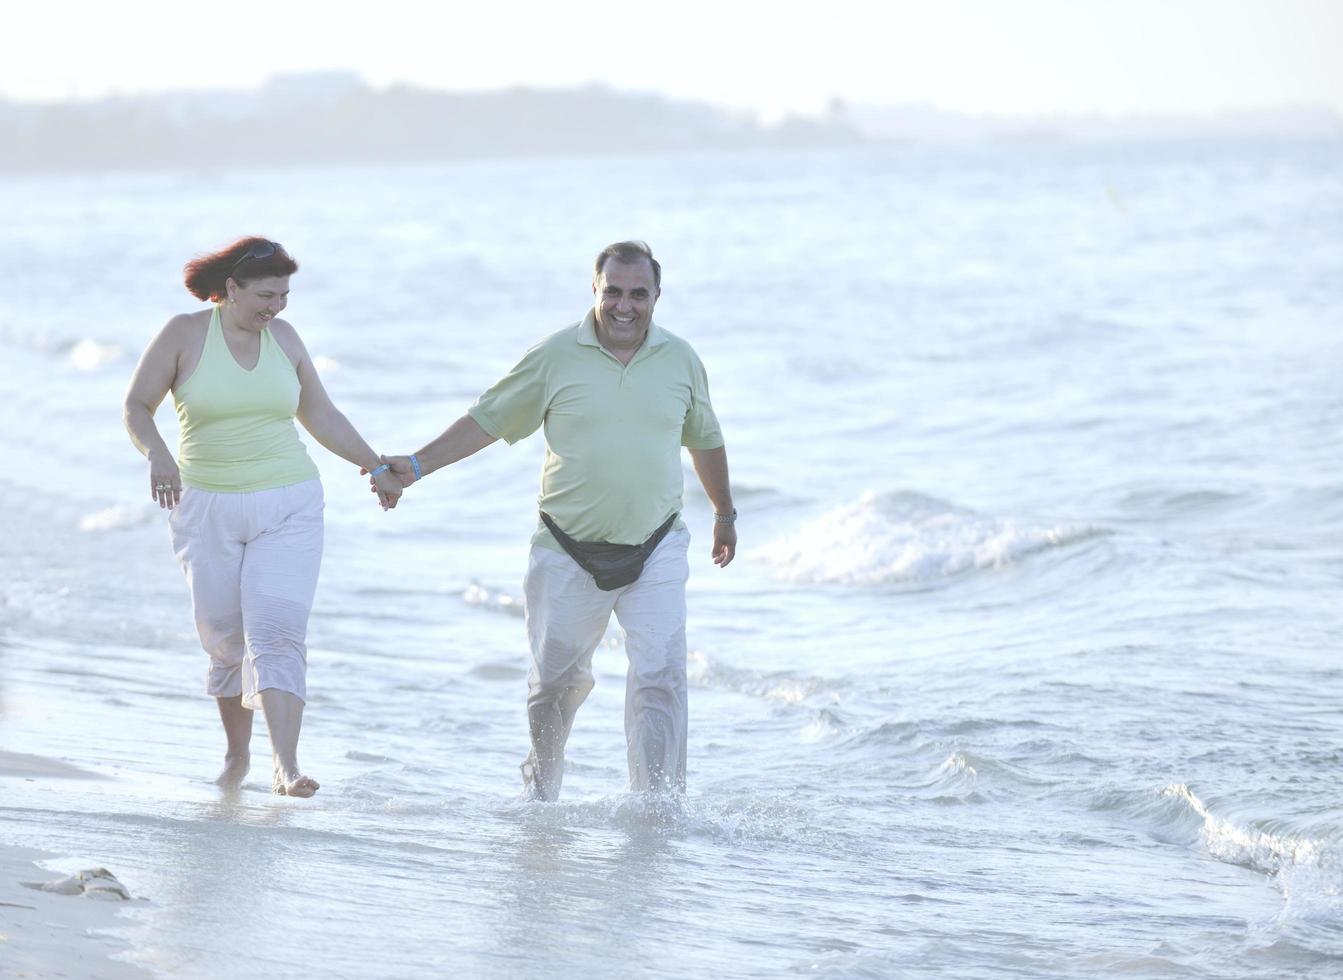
(566, 617)
(251, 562)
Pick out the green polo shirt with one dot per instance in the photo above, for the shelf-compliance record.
(614, 432)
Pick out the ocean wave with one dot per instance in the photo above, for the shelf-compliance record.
(732, 818)
(117, 517)
(1181, 504)
(957, 774)
(499, 601)
(759, 495)
(1306, 867)
(498, 671)
(908, 537)
(34, 601)
(1257, 849)
(781, 686)
(1308, 870)
(89, 355)
(969, 777)
(81, 353)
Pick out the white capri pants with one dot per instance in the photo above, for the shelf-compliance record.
(567, 616)
(251, 562)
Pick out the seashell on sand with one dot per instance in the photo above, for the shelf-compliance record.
(91, 883)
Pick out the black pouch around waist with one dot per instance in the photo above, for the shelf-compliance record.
(611, 565)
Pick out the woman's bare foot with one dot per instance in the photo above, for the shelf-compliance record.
(295, 784)
(235, 770)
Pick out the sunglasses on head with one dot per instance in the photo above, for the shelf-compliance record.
(259, 250)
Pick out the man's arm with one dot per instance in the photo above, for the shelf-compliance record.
(460, 440)
(711, 468)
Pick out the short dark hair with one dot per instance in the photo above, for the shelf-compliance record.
(629, 253)
(206, 275)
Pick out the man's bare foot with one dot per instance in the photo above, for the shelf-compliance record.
(296, 784)
(234, 771)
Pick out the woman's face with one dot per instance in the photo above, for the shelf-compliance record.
(256, 303)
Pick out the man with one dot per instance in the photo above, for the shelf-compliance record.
(618, 397)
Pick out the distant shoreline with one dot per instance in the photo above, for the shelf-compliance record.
(320, 119)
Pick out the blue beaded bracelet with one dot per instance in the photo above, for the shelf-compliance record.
(380, 469)
(415, 465)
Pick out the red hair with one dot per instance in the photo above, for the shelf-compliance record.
(206, 275)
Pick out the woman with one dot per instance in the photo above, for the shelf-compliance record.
(245, 498)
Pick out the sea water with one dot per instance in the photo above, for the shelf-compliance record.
(1027, 666)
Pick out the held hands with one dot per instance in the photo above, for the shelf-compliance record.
(387, 487)
(390, 483)
(401, 468)
(165, 482)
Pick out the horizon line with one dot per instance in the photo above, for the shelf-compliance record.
(352, 79)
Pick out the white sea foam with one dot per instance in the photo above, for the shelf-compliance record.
(32, 600)
(958, 764)
(89, 355)
(906, 537)
(477, 595)
(1255, 848)
(117, 516)
(739, 818)
(788, 688)
(1304, 868)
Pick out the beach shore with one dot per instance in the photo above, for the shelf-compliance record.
(46, 934)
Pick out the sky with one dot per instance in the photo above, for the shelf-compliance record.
(985, 57)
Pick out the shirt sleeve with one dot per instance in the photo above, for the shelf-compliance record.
(514, 407)
(700, 429)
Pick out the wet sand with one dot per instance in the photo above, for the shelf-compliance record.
(46, 934)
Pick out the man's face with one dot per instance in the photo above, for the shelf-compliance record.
(625, 295)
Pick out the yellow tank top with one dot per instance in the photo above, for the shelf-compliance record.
(237, 426)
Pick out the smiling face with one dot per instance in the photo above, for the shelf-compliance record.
(254, 304)
(626, 293)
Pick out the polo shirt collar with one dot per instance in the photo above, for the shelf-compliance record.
(587, 333)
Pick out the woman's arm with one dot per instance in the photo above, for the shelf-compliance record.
(150, 384)
(327, 424)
